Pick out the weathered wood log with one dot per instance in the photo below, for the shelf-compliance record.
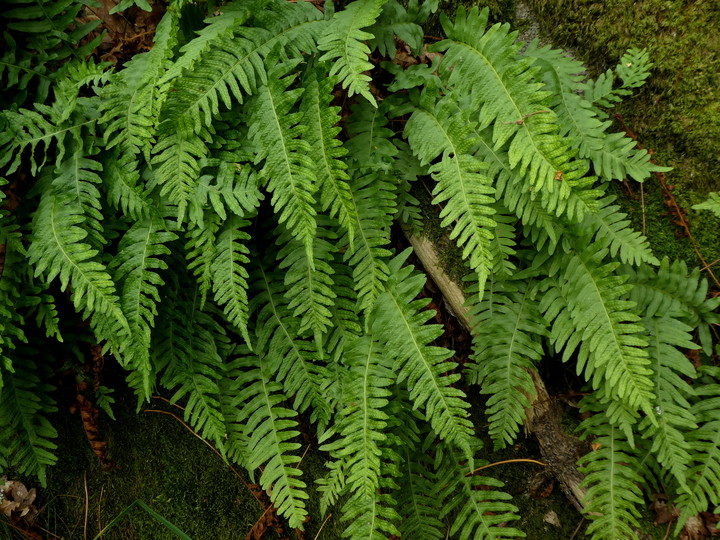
(543, 420)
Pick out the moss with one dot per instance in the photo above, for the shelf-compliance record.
(167, 467)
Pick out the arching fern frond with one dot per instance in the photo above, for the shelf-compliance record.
(478, 508)
(327, 150)
(672, 288)
(363, 421)
(293, 360)
(343, 42)
(309, 288)
(704, 468)
(269, 428)
(465, 192)
(674, 418)
(613, 494)
(288, 168)
(590, 315)
(136, 269)
(507, 342)
(58, 250)
(399, 323)
(25, 432)
(374, 202)
(484, 63)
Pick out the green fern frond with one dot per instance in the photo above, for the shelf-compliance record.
(57, 249)
(633, 69)
(78, 177)
(131, 101)
(401, 21)
(288, 168)
(269, 428)
(188, 342)
(478, 508)
(309, 288)
(399, 324)
(595, 320)
(344, 43)
(484, 64)
(507, 343)
(712, 204)
(674, 418)
(177, 169)
(201, 252)
(292, 359)
(136, 269)
(229, 276)
(611, 229)
(25, 433)
(704, 467)
(369, 143)
(362, 420)
(613, 495)
(466, 193)
(374, 202)
(327, 150)
(672, 288)
(372, 515)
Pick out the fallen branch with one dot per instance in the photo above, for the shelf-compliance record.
(543, 419)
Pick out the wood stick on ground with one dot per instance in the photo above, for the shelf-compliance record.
(543, 419)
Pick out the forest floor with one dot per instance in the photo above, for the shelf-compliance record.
(153, 456)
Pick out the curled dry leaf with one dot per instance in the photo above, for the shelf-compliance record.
(16, 499)
(663, 512)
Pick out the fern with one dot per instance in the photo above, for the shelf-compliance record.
(242, 184)
(712, 204)
(507, 343)
(269, 429)
(613, 493)
(343, 43)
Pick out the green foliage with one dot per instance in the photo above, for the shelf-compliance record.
(220, 211)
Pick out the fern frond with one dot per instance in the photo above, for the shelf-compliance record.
(326, 149)
(507, 342)
(177, 159)
(77, 176)
(484, 63)
(613, 496)
(229, 276)
(269, 428)
(374, 202)
(712, 204)
(633, 69)
(399, 324)
(25, 433)
(611, 229)
(704, 467)
(131, 101)
(124, 190)
(466, 192)
(595, 320)
(188, 342)
(136, 269)
(58, 249)
(397, 20)
(673, 414)
(288, 168)
(673, 289)
(372, 515)
(343, 42)
(293, 360)
(478, 508)
(309, 287)
(362, 421)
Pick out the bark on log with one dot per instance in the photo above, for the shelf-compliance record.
(543, 419)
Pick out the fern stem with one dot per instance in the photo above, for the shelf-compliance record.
(519, 460)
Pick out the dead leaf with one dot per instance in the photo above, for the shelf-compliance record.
(694, 529)
(663, 512)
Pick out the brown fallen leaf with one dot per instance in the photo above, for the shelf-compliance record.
(663, 512)
(15, 498)
(694, 529)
